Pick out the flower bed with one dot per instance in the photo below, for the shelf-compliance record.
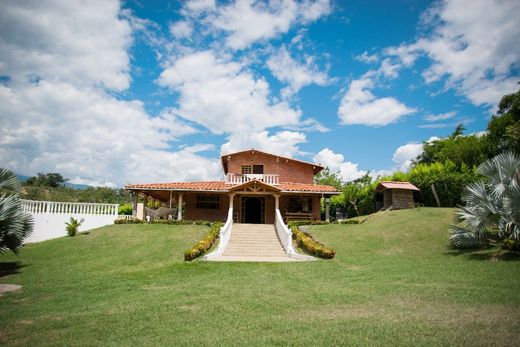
(308, 243)
(205, 244)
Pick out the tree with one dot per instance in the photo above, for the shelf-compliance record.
(15, 225)
(492, 206)
(503, 131)
(328, 178)
(53, 180)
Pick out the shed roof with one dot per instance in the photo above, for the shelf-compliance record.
(396, 185)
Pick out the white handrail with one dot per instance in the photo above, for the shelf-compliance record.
(224, 236)
(285, 236)
(272, 179)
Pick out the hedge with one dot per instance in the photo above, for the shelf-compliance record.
(164, 221)
(205, 244)
(308, 243)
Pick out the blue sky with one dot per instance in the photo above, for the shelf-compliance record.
(110, 92)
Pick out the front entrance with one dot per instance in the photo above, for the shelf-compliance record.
(253, 209)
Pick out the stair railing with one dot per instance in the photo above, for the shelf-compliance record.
(285, 236)
(224, 236)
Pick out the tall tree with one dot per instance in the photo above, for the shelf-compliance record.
(503, 131)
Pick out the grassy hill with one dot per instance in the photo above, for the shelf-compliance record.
(394, 281)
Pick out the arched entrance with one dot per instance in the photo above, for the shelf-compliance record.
(253, 209)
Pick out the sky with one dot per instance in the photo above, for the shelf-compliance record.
(111, 92)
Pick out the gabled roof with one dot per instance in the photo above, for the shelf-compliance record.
(396, 185)
(316, 167)
(254, 183)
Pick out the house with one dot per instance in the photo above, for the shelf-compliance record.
(395, 195)
(257, 185)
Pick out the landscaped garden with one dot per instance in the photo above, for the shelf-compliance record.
(394, 281)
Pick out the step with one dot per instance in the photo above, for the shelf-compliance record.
(253, 259)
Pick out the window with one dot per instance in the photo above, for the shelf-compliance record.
(252, 169)
(208, 202)
(300, 204)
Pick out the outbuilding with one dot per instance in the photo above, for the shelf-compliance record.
(395, 195)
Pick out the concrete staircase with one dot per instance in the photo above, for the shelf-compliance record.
(254, 242)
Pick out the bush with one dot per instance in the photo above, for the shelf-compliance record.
(125, 209)
(205, 244)
(128, 221)
(308, 243)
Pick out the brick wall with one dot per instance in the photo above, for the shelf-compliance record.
(289, 171)
(194, 213)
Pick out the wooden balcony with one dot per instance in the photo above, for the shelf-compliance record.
(271, 179)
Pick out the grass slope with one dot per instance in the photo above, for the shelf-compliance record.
(394, 282)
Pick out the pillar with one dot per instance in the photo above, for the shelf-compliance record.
(276, 201)
(145, 205)
(134, 203)
(231, 198)
(179, 208)
(327, 208)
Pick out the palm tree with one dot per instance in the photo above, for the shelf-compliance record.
(15, 225)
(492, 205)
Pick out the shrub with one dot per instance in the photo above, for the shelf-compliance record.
(72, 226)
(125, 209)
(308, 243)
(205, 244)
(15, 224)
(128, 221)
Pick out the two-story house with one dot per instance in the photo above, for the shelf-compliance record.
(256, 185)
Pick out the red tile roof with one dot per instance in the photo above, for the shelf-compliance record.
(301, 187)
(397, 185)
(221, 186)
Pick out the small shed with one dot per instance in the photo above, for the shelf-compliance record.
(395, 195)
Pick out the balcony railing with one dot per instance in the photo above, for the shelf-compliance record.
(271, 179)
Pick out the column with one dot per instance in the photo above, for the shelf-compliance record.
(134, 204)
(327, 208)
(276, 201)
(231, 198)
(179, 208)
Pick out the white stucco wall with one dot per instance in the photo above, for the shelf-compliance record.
(51, 226)
(50, 217)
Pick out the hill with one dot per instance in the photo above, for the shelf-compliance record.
(394, 281)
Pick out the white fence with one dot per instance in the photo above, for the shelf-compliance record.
(50, 217)
(271, 179)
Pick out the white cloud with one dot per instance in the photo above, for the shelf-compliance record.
(223, 96)
(360, 106)
(56, 114)
(441, 116)
(367, 58)
(74, 41)
(297, 75)
(92, 136)
(249, 21)
(283, 143)
(346, 170)
(181, 29)
(404, 155)
(199, 6)
(471, 46)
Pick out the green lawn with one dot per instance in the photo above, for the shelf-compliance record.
(394, 281)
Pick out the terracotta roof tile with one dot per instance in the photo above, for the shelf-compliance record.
(301, 187)
(397, 185)
(208, 185)
(222, 186)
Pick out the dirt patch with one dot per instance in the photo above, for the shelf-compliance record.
(7, 288)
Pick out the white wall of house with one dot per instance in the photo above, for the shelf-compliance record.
(50, 217)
